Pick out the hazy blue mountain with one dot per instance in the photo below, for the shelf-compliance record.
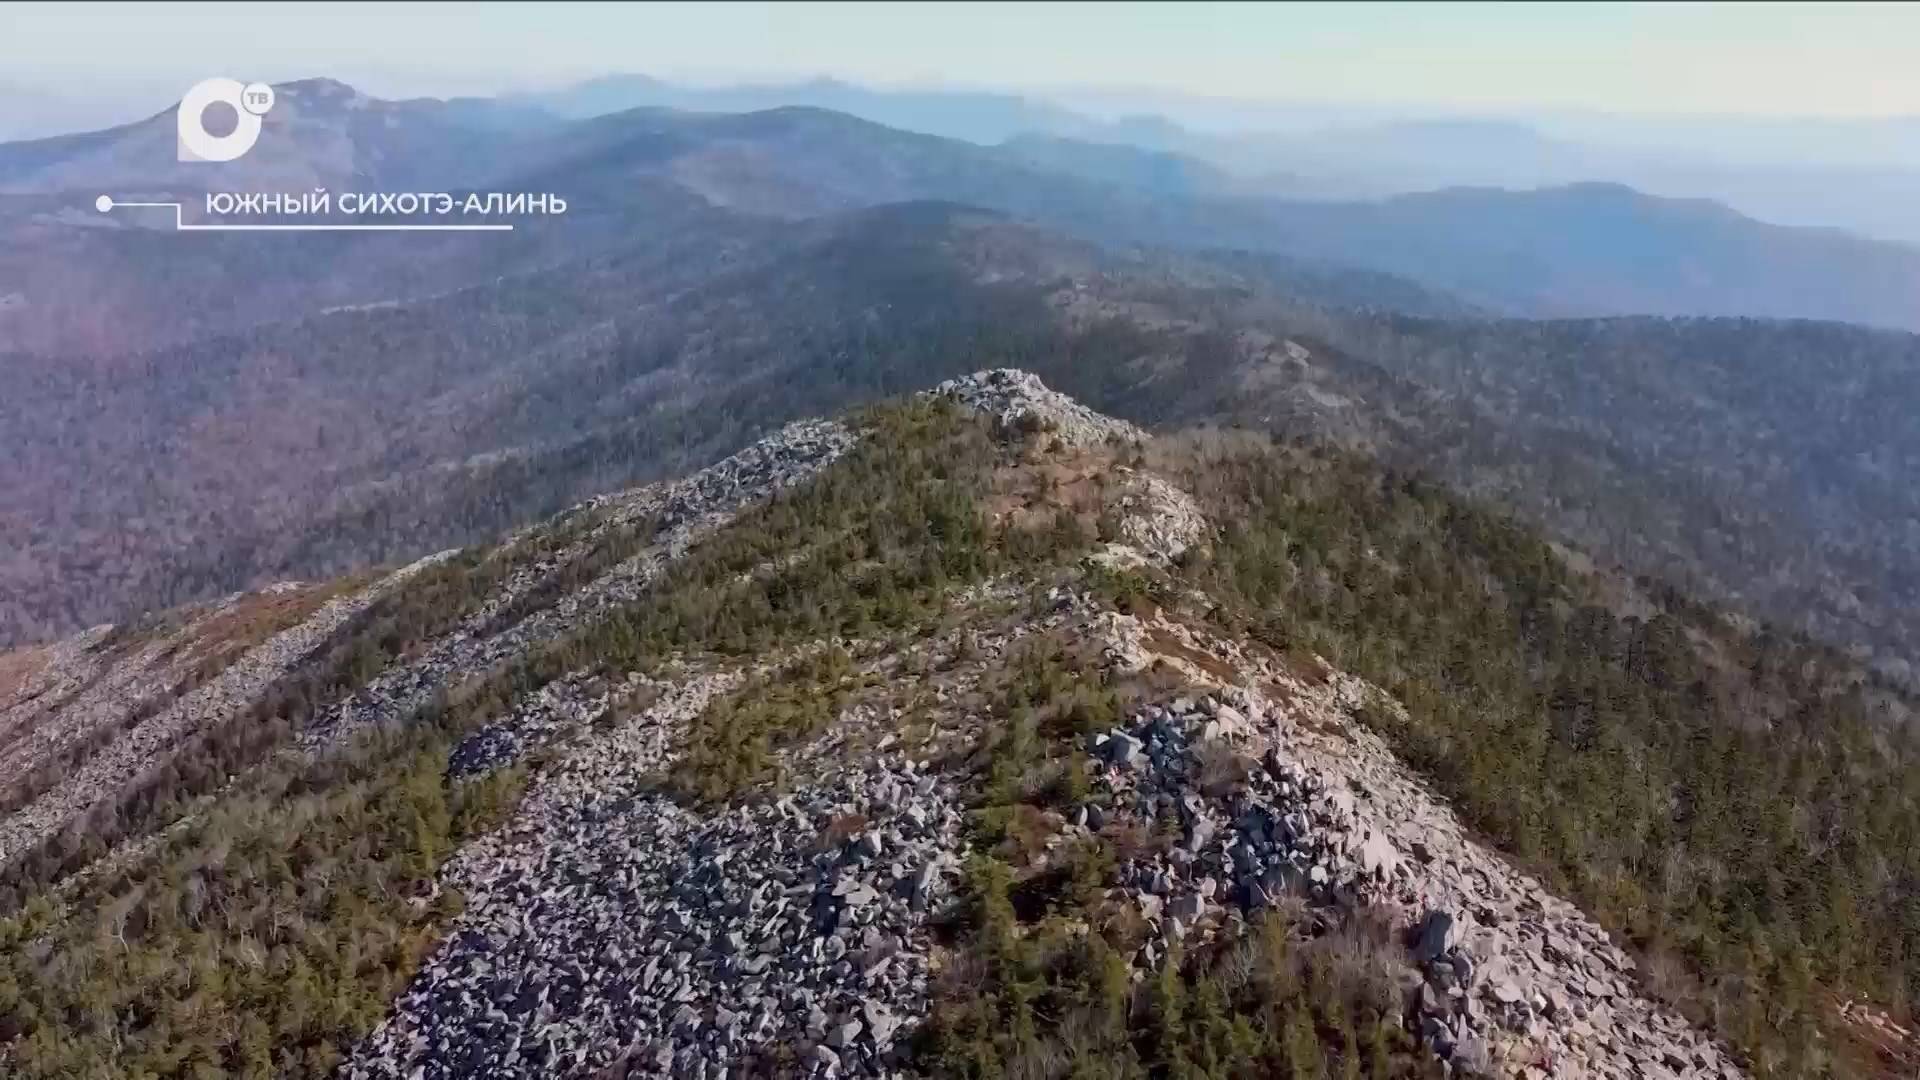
(1584, 249)
(975, 116)
(1607, 249)
(1847, 190)
(1576, 250)
(1157, 171)
(1419, 155)
(1856, 174)
(1164, 172)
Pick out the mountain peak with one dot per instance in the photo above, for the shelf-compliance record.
(1017, 399)
(320, 88)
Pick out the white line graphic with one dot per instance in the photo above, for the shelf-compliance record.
(106, 203)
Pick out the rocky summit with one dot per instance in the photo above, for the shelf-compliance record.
(890, 746)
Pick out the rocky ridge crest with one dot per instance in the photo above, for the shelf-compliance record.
(693, 944)
(610, 929)
(1014, 398)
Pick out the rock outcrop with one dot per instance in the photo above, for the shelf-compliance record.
(680, 511)
(1015, 398)
(608, 928)
(1518, 981)
(611, 931)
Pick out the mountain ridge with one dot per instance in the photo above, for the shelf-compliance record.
(1000, 639)
(1565, 251)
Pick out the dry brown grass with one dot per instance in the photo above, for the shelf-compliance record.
(1031, 493)
(1308, 669)
(1029, 828)
(1222, 770)
(16, 668)
(253, 619)
(1165, 643)
(841, 829)
(1130, 838)
(1873, 1043)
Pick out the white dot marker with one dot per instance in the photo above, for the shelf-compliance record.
(103, 204)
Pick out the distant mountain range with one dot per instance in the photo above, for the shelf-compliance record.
(1857, 174)
(1587, 249)
(187, 414)
(973, 116)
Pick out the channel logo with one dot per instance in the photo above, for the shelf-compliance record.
(250, 102)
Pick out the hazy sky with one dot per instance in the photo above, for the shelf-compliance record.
(1765, 59)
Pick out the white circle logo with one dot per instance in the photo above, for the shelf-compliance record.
(249, 103)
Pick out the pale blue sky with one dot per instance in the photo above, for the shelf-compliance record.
(1758, 59)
